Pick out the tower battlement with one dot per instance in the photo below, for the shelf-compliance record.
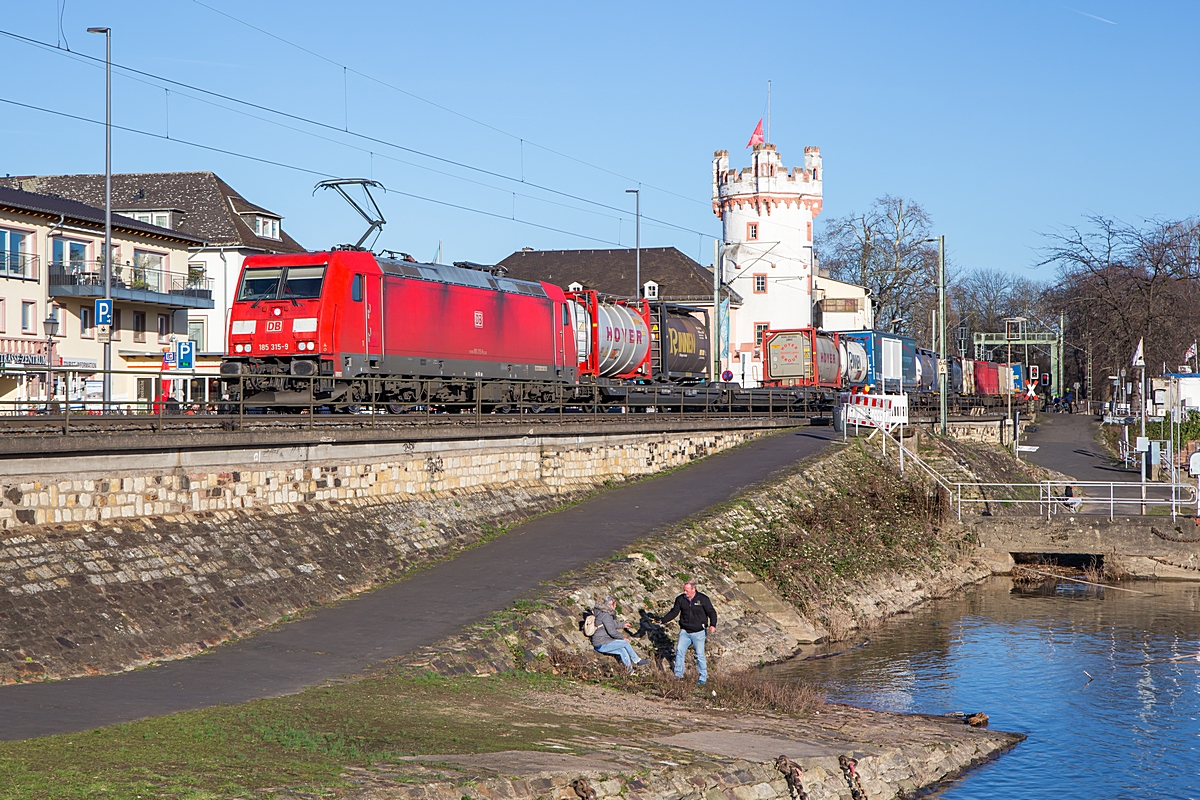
(767, 178)
(767, 182)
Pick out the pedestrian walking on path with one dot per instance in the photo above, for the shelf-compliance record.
(609, 637)
(697, 618)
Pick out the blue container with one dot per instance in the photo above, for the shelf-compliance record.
(891, 361)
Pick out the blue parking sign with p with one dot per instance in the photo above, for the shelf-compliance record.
(184, 350)
(104, 308)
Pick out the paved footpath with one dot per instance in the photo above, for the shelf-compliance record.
(1067, 443)
(429, 605)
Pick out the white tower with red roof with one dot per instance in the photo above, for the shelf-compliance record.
(767, 213)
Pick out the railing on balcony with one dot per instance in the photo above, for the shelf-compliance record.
(23, 266)
(129, 276)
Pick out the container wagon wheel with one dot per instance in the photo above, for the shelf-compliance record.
(395, 408)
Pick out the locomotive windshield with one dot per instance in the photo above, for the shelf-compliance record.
(260, 284)
(303, 282)
(289, 283)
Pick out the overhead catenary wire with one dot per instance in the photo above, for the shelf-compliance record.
(523, 141)
(347, 131)
(297, 168)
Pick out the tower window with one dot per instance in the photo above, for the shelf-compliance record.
(752, 231)
(760, 330)
(760, 284)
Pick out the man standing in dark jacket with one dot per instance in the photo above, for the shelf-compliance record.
(697, 617)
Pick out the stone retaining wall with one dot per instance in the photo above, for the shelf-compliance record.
(160, 580)
(108, 488)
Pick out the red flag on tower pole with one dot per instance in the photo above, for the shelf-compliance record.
(757, 136)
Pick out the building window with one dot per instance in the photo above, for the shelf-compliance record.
(86, 331)
(161, 219)
(752, 231)
(840, 305)
(760, 330)
(3, 316)
(28, 316)
(55, 313)
(266, 227)
(196, 332)
(115, 330)
(760, 284)
(139, 326)
(164, 329)
(67, 253)
(13, 258)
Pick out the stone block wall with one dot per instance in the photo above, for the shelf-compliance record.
(109, 489)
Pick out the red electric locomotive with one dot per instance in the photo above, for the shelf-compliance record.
(301, 326)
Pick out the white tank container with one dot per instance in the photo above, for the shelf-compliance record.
(854, 362)
(622, 337)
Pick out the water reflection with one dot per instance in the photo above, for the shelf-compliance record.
(1024, 656)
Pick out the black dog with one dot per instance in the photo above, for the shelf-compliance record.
(650, 626)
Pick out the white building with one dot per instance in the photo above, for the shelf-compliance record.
(51, 274)
(767, 213)
(198, 204)
(841, 306)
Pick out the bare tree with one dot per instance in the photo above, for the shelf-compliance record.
(1121, 283)
(885, 249)
(983, 298)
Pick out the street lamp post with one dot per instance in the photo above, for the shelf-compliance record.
(637, 194)
(106, 266)
(50, 325)
(943, 362)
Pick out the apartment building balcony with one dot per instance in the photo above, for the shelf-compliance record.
(132, 283)
(19, 266)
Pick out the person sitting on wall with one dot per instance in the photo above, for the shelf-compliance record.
(609, 637)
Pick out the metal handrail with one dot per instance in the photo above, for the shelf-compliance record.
(21, 266)
(129, 276)
(75, 401)
(1050, 503)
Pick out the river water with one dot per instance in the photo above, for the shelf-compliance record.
(1024, 656)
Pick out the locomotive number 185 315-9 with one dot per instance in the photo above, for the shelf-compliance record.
(273, 347)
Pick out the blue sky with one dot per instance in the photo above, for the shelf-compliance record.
(1005, 119)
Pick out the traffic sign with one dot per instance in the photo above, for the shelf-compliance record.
(104, 333)
(104, 311)
(185, 351)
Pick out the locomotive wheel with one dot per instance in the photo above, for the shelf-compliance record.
(351, 408)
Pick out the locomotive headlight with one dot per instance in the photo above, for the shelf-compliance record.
(237, 348)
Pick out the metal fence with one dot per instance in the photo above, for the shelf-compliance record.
(1050, 498)
(175, 401)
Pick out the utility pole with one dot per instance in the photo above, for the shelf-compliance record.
(106, 267)
(943, 362)
(637, 194)
(715, 334)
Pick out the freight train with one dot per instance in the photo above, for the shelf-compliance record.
(878, 362)
(306, 329)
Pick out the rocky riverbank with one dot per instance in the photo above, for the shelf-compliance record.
(727, 752)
